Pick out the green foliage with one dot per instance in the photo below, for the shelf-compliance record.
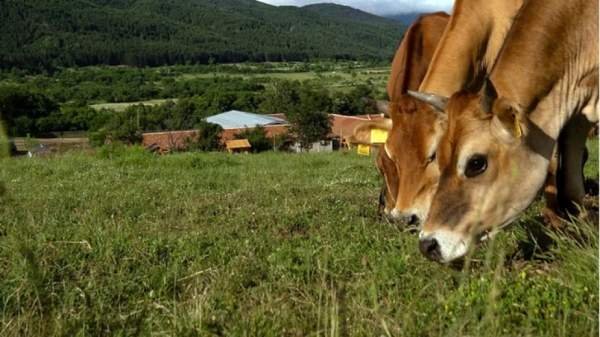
(306, 107)
(280, 97)
(64, 97)
(125, 243)
(24, 112)
(127, 126)
(40, 34)
(356, 102)
(208, 137)
(258, 139)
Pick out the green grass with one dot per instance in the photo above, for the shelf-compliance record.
(338, 80)
(124, 243)
(125, 105)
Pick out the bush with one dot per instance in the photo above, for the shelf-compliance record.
(97, 138)
(208, 138)
(21, 109)
(258, 139)
(283, 142)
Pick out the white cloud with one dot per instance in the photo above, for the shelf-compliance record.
(378, 6)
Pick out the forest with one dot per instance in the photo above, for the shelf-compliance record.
(47, 34)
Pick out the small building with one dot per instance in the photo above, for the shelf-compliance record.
(238, 146)
(326, 145)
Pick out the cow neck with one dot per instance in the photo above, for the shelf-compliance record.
(546, 57)
(469, 46)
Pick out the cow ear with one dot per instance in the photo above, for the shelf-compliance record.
(488, 97)
(363, 133)
(509, 121)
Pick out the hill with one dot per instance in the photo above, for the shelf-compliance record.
(405, 18)
(49, 33)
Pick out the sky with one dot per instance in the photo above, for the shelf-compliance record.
(380, 7)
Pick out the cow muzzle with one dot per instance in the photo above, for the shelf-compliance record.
(443, 246)
(407, 218)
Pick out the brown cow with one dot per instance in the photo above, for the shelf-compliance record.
(411, 120)
(470, 41)
(495, 153)
(465, 54)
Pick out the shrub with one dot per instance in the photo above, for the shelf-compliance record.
(208, 138)
(258, 139)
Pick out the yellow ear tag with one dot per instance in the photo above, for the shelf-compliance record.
(363, 149)
(518, 130)
(378, 136)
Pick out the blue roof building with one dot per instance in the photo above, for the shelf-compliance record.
(239, 119)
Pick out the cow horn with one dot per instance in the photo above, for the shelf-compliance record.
(438, 102)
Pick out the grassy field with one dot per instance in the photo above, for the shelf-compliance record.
(125, 105)
(335, 80)
(124, 243)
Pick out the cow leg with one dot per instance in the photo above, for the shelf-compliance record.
(572, 155)
(552, 212)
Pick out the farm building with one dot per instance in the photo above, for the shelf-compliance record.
(234, 122)
(239, 120)
(342, 128)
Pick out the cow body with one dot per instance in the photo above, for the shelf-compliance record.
(498, 145)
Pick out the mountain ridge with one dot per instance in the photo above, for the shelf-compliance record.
(51, 33)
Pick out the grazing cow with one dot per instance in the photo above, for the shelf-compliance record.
(464, 57)
(470, 42)
(495, 153)
(411, 120)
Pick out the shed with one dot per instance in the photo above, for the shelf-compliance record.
(238, 145)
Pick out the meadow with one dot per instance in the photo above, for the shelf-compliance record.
(120, 242)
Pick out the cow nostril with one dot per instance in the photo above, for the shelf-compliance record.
(412, 219)
(430, 248)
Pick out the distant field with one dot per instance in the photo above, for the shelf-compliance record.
(125, 243)
(125, 105)
(342, 79)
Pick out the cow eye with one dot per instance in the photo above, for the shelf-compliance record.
(476, 165)
(431, 158)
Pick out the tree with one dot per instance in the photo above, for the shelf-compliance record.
(280, 97)
(309, 118)
(257, 137)
(21, 109)
(310, 126)
(208, 137)
(358, 101)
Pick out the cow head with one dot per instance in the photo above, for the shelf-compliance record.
(492, 161)
(407, 159)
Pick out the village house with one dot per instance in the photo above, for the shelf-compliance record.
(235, 122)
